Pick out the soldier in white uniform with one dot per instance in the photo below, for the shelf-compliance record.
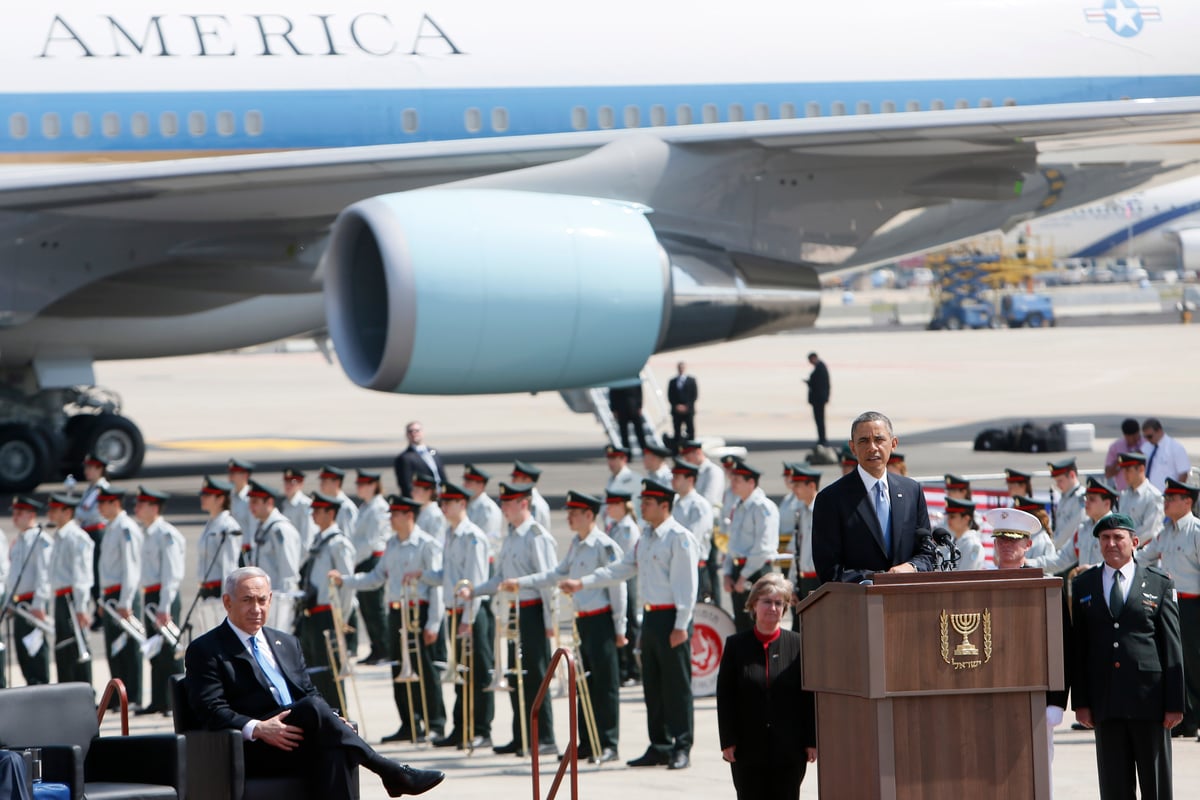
(599, 617)
(693, 512)
(30, 557)
(277, 551)
(87, 514)
(218, 551)
(297, 506)
(482, 509)
(729, 499)
(331, 551)
(431, 519)
(805, 483)
(621, 526)
(163, 552)
(1140, 501)
(960, 520)
(654, 461)
(372, 529)
(120, 579)
(331, 486)
(710, 483)
(71, 578)
(1083, 551)
(621, 477)
(1042, 546)
(410, 549)
(239, 471)
(1069, 511)
(4, 566)
(753, 540)
(523, 472)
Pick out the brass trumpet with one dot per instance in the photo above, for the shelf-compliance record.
(465, 669)
(410, 650)
(508, 628)
(131, 625)
(344, 667)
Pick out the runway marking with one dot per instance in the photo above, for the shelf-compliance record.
(238, 445)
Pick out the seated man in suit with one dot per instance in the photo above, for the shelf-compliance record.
(870, 520)
(242, 675)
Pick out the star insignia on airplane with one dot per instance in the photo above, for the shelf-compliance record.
(1125, 18)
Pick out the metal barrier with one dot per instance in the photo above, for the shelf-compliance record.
(571, 756)
(115, 685)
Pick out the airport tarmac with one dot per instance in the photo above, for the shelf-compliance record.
(940, 388)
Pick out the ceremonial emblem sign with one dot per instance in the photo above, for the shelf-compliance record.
(965, 654)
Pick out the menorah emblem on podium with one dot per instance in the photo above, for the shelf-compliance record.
(965, 625)
(966, 654)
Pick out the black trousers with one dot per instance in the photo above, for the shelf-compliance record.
(819, 418)
(535, 660)
(631, 670)
(805, 587)
(414, 717)
(1189, 633)
(769, 780)
(316, 655)
(35, 668)
(598, 645)
(482, 631)
(66, 651)
(372, 611)
(1133, 751)
(126, 664)
(741, 617)
(685, 421)
(165, 664)
(625, 418)
(666, 684)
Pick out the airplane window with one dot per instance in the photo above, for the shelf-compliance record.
(579, 118)
(937, 105)
(225, 123)
(499, 120)
(110, 125)
(762, 111)
(838, 109)
(912, 105)
(473, 119)
(18, 126)
(986, 102)
(960, 103)
(197, 123)
(409, 120)
(51, 125)
(683, 115)
(709, 112)
(888, 107)
(658, 116)
(787, 110)
(1008, 101)
(633, 117)
(81, 125)
(139, 123)
(168, 123)
(606, 117)
(736, 114)
(812, 109)
(253, 123)
(863, 107)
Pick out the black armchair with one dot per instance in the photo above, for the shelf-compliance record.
(61, 719)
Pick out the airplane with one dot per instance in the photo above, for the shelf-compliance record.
(537, 196)
(1160, 226)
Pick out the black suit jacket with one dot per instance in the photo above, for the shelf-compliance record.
(818, 384)
(683, 397)
(1142, 677)
(767, 723)
(409, 463)
(227, 688)
(847, 540)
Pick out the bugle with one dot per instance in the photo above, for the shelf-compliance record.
(410, 650)
(85, 655)
(170, 632)
(131, 625)
(465, 669)
(25, 612)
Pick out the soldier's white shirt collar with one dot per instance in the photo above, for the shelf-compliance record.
(524, 527)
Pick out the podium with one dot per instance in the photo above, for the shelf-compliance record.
(933, 685)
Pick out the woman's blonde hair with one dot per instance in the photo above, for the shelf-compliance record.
(771, 583)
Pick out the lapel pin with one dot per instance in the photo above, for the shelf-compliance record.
(898, 494)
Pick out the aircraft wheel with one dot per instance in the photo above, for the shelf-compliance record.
(24, 458)
(116, 440)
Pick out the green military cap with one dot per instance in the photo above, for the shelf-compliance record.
(1023, 503)
(24, 502)
(1062, 467)
(1111, 522)
(787, 469)
(215, 486)
(1131, 459)
(956, 482)
(956, 506)
(474, 473)
(1099, 487)
(452, 491)
(365, 476)
(847, 456)
(239, 465)
(896, 458)
(400, 503)
(256, 489)
(686, 469)
(1016, 476)
(1011, 523)
(659, 491)
(584, 501)
(515, 491)
(612, 496)
(686, 445)
(745, 470)
(1181, 488)
(330, 471)
(803, 474)
(325, 501)
(658, 450)
(528, 470)
(155, 496)
(292, 473)
(112, 493)
(63, 501)
(425, 481)
(95, 460)
(616, 450)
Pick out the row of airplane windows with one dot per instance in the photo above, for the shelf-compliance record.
(224, 123)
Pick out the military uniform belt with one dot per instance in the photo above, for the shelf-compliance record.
(308, 612)
(211, 585)
(377, 553)
(112, 589)
(702, 563)
(808, 574)
(63, 592)
(24, 598)
(398, 606)
(652, 607)
(739, 562)
(530, 603)
(156, 587)
(93, 528)
(1187, 596)
(595, 612)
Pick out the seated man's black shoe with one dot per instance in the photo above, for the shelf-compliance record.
(506, 749)
(399, 779)
(651, 758)
(402, 735)
(453, 740)
(679, 760)
(606, 755)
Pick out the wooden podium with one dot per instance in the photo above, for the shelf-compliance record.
(933, 685)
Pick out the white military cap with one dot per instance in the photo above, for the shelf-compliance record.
(1009, 523)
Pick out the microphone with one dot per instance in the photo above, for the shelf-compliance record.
(943, 538)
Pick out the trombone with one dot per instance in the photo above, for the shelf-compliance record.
(131, 625)
(508, 627)
(410, 650)
(465, 668)
(343, 668)
(85, 655)
(581, 684)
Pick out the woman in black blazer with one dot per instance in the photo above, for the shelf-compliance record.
(767, 723)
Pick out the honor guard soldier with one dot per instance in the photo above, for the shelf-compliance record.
(785, 505)
(753, 540)
(482, 509)
(430, 519)
(331, 486)
(1042, 546)
(528, 549)
(960, 519)
(1018, 483)
(163, 551)
(664, 561)
(71, 581)
(847, 459)
(297, 506)
(218, 551)
(239, 471)
(1140, 500)
(693, 512)
(654, 461)
(1099, 500)
(7, 596)
(331, 551)
(120, 578)
(87, 514)
(525, 473)
(599, 622)
(897, 465)
(621, 477)
(276, 551)
(1178, 545)
(464, 558)
(622, 528)
(30, 559)
(1069, 511)
(805, 483)
(729, 499)
(372, 530)
(409, 550)
(710, 481)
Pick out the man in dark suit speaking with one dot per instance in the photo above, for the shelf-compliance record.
(244, 676)
(870, 520)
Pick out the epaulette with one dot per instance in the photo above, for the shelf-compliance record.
(1159, 571)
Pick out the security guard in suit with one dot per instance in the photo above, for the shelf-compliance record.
(163, 553)
(753, 540)
(120, 581)
(331, 551)
(71, 578)
(30, 558)
(1127, 680)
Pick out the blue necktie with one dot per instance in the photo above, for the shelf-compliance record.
(883, 514)
(273, 675)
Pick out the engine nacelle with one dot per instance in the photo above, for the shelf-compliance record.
(464, 291)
